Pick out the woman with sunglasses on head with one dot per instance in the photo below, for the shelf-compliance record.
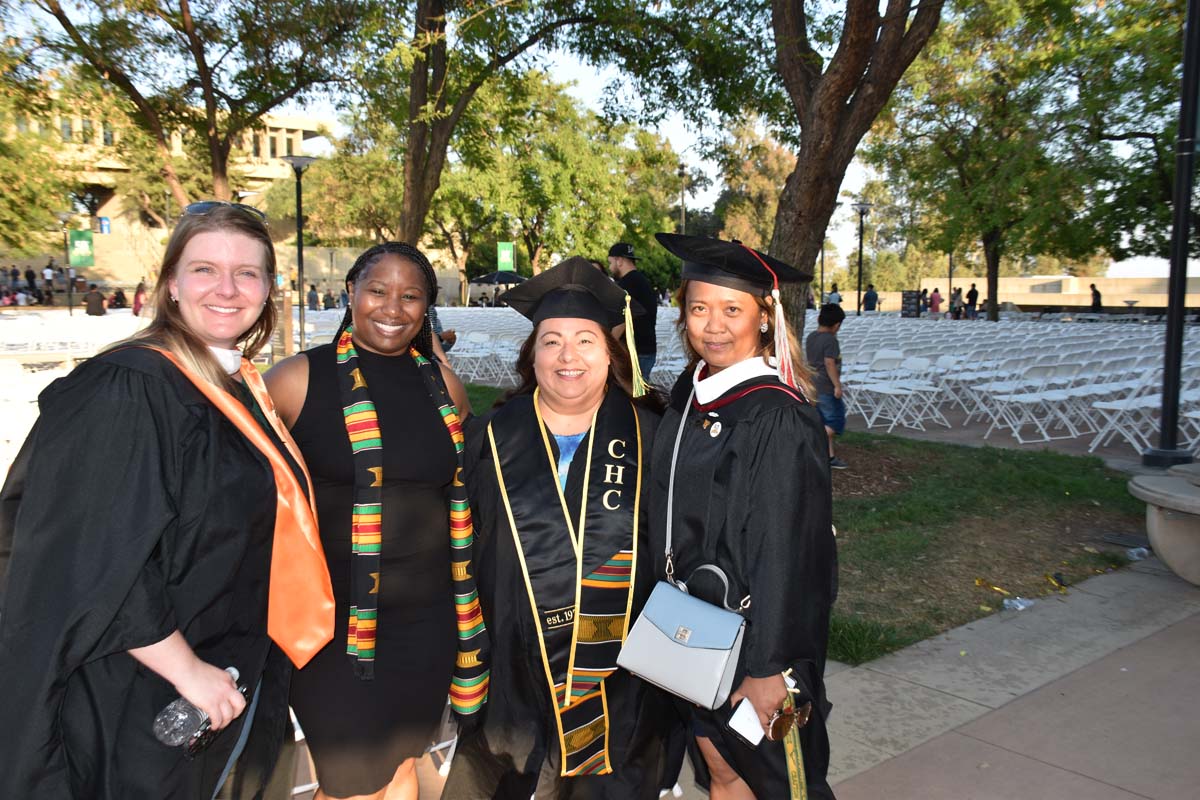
(378, 419)
(558, 476)
(159, 531)
(741, 475)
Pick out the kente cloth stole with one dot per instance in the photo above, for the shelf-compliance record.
(300, 605)
(582, 617)
(469, 684)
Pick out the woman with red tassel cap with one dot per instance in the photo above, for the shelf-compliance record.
(740, 467)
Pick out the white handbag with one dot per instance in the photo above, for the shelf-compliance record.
(680, 643)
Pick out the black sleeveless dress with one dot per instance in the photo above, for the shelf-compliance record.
(359, 731)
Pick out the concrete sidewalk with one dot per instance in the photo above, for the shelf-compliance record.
(1088, 695)
(1091, 695)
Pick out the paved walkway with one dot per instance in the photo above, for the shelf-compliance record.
(1090, 695)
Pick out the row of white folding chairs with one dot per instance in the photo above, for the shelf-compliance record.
(897, 390)
(1134, 417)
(480, 357)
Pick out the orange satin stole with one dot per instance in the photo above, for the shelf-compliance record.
(300, 608)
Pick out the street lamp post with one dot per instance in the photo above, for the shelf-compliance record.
(862, 209)
(821, 288)
(682, 194)
(1168, 451)
(64, 217)
(950, 277)
(299, 164)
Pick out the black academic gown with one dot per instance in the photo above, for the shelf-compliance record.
(502, 754)
(753, 497)
(134, 509)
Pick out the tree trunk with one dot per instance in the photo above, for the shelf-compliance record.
(835, 108)
(460, 261)
(992, 246)
(535, 257)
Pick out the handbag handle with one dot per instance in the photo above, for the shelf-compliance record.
(742, 606)
(682, 585)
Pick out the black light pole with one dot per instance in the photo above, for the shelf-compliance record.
(862, 209)
(1168, 452)
(950, 278)
(682, 196)
(299, 164)
(64, 217)
(821, 295)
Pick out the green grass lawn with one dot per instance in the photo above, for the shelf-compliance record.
(932, 536)
(482, 397)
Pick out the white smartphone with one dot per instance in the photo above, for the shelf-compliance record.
(745, 723)
(744, 720)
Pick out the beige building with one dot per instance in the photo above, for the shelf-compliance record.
(127, 243)
(1036, 293)
(1063, 291)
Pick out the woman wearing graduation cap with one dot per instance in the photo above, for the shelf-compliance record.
(557, 478)
(740, 464)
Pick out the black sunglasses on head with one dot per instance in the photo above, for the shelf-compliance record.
(205, 207)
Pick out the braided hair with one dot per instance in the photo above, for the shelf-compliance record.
(423, 341)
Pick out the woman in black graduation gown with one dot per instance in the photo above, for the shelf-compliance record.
(751, 496)
(140, 522)
(557, 479)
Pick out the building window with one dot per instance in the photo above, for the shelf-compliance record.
(288, 140)
(107, 132)
(274, 147)
(257, 140)
(89, 135)
(68, 132)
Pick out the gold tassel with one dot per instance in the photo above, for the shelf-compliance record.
(639, 382)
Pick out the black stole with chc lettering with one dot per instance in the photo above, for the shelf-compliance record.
(578, 564)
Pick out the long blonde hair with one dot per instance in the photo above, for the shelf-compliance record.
(167, 328)
(766, 341)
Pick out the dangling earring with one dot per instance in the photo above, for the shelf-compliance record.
(763, 328)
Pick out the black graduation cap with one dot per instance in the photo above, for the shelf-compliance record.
(578, 290)
(729, 264)
(573, 288)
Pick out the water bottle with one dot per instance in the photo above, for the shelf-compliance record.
(1017, 604)
(176, 724)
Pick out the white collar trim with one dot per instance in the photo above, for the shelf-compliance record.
(230, 360)
(714, 386)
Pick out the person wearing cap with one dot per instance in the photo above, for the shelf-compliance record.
(558, 479)
(740, 467)
(622, 263)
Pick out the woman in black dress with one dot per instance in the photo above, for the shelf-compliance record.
(159, 530)
(751, 496)
(378, 421)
